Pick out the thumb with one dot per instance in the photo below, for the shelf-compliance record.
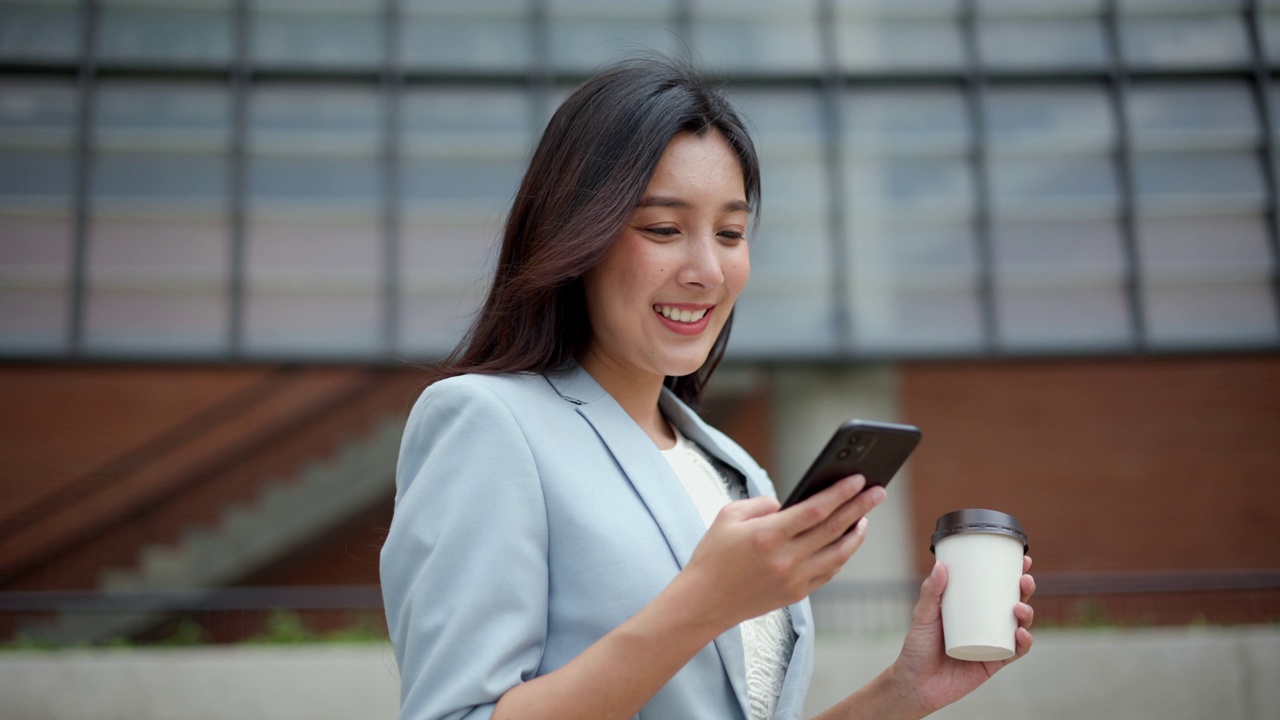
(930, 603)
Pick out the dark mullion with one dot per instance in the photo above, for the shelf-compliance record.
(1119, 94)
(837, 207)
(86, 89)
(335, 75)
(1262, 93)
(541, 75)
(976, 101)
(238, 177)
(682, 20)
(392, 90)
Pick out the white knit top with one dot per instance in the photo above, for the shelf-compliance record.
(768, 640)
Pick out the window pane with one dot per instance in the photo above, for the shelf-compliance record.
(891, 36)
(1271, 33)
(1027, 43)
(915, 287)
(1059, 268)
(159, 242)
(1041, 7)
(780, 36)
(1196, 147)
(455, 35)
(464, 153)
(314, 146)
(1186, 40)
(314, 252)
(157, 281)
(1193, 116)
(1200, 180)
(787, 305)
(586, 35)
(35, 259)
(313, 283)
(1059, 120)
(37, 125)
(910, 210)
(1207, 280)
(445, 271)
(150, 32)
(905, 121)
(48, 30)
(906, 151)
(910, 184)
(36, 173)
(1060, 284)
(1051, 152)
(288, 32)
(1073, 185)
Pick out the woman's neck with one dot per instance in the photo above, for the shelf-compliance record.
(637, 394)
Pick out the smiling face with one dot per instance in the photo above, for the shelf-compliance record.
(662, 293)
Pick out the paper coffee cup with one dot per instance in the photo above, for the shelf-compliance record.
(983, 551)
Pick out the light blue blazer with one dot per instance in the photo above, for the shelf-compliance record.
(533, 515)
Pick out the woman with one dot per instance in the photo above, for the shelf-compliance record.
(570, 540)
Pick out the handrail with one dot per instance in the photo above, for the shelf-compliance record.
(297, 597)
(305, 597)
(1090, 583)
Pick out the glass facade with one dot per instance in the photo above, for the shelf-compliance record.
(327, 179)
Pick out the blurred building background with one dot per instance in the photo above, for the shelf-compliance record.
(231, 232)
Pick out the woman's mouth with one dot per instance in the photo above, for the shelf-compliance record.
(684, 320)
(678, 315)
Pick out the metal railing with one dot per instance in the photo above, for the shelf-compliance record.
(1228, 597)
(865, 609)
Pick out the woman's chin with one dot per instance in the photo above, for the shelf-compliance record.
(685, 365)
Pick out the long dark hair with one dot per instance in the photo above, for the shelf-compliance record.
(586, 177)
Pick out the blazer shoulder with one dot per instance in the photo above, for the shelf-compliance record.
(514, 390)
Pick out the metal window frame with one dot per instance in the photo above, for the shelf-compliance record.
(1261, 82)
(541, 78)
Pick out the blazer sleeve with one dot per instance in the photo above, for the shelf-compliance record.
(464, 567)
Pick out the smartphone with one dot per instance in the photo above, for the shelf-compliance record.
(874, 449)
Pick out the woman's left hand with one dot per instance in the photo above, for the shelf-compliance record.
(924, 669)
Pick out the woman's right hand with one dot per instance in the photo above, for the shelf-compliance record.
(756, 558)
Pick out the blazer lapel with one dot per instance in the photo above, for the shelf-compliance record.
(640, 460)
(800, 670)
(695, 429)
(658, 487)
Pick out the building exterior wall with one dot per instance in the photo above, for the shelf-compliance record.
(1131, 466)
(1117, 465)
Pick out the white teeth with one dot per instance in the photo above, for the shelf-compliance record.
(684, 316)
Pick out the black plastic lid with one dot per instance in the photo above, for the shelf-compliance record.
(977, 520)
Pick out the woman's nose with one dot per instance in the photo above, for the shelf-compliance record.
(702, 263)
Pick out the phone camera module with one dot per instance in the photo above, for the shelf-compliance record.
(843, 454)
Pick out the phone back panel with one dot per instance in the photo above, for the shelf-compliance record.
(874, 449)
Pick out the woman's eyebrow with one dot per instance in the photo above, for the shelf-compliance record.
(675, 202)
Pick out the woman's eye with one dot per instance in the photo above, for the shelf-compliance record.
(665, 232)
(733, 235)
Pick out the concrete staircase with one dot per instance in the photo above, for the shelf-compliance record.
(285, 515)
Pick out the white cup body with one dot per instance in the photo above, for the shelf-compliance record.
(984, 571)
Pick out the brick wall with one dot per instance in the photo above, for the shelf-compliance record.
(1113, 465)
(108, 459)
(59, 423)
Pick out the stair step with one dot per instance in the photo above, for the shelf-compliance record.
(285, 515)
